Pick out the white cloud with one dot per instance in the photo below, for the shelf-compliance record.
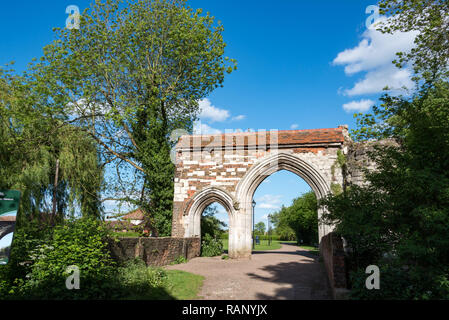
(202, 128)
(268, 206)
(358, 106)
(375, 81)
(294, 126)
(269, 201)
(239, 117)
(374, 55)
(212, 113)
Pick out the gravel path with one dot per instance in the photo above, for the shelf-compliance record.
(287, 273)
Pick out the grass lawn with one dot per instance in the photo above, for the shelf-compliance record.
(275, 244)
(184, 285)
(313, 250)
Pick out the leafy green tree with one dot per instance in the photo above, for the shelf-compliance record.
(260, 228)
(399, 221)
(281, 227)
(130, 75)
(210, 224)
(301, 218)
(430, 18)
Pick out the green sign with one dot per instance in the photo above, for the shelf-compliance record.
(9, 201)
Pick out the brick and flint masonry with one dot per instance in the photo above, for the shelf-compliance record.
(230, 309)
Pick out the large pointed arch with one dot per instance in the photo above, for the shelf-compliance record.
(283, 161)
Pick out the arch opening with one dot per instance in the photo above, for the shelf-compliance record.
(285, 210)
(259, 172)
(200, 203)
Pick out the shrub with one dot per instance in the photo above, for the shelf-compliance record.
(179, 260)
(137, 281)
(394, 284)
(78, 242)
(211, 247)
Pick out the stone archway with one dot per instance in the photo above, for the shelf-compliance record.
(281, 161)
(195, 207)
(227, 168)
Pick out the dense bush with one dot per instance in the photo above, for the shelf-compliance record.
(211, 247)
(79, 243)
(39, 259)
(404, 210)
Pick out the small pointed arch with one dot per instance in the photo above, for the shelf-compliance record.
(200, 201)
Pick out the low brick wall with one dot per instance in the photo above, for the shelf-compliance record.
(332, 252)
(155, 251)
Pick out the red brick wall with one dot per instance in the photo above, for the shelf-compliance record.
(331, 248)
(155, 251)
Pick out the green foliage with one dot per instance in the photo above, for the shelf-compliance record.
(260, 228)
(81, 243)
(403, 212)
(211, 233)
(301, 218)
(210, 224)
(130, 75)
(137, 281)
(40, 257)
(211, 247)
(179, 260)
(430, 57)
(32, 139)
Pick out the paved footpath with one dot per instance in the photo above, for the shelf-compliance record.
(286, 273)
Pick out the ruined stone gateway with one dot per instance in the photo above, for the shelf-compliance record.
(228, 168)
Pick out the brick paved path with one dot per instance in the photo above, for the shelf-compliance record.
(287, 273)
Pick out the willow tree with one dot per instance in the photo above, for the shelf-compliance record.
(54, 165)
(132, 73)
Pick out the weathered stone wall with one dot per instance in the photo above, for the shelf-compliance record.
(332, 252)
(358, 160)
(155, 251)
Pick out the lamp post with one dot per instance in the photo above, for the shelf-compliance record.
(254, 204)
(269, 229)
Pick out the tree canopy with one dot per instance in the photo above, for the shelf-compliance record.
(132, 73)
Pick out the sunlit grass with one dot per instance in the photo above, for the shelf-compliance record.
(275, 244)
(184, 285)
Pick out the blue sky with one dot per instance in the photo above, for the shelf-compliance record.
(301, 65)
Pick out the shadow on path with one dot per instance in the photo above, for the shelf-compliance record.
(301, 280)
(304, 253)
